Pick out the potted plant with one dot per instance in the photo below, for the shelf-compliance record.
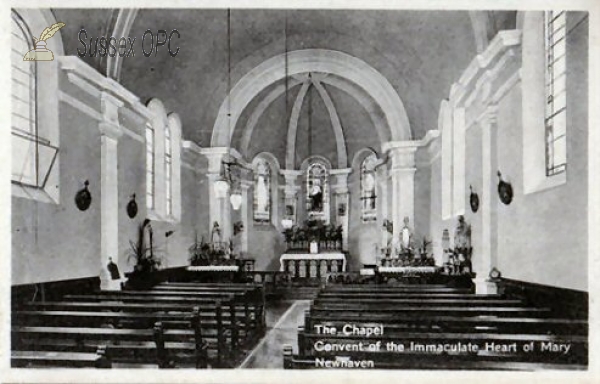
(146, 258)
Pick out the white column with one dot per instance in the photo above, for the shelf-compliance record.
(340, 189)
(247, 202)
(291, 190)
(402, 175)
(110, 132)
(382, 193)
(484, 260)
(218, 210)
(458, 163)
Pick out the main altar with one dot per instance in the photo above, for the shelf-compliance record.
(313, 250)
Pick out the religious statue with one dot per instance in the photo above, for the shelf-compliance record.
(386, 238)
(236, 240)
(462, 234)
(262, 195)
(113, 269)
(461, 255)
(406, 235)
(216, 237)
(316, 198)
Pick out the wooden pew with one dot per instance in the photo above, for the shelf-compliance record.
(399, 295)
(29, 359)
(216, 323)
(81, 339)
(236, 308)
(433, 300)
(373, 313)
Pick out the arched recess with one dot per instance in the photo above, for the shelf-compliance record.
(273, 163)
(259, 110)
(359, 94)
(360, 155)
(342, 156)
(293, 125)
(311, 60)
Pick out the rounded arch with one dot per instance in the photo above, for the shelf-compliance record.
(273, 164)
(311, 60)
(360, 155)
(269, 158)
(315, 158)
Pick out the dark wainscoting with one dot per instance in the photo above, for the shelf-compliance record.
(54, 290)
(567, 303)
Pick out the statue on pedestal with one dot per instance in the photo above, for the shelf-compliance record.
(216, 237)
(462, 246)
(406, 235)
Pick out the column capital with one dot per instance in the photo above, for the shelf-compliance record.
(215, 156)
(110, 107)
(245, 184)
(114, 131)
(290, 173)
(402, 157)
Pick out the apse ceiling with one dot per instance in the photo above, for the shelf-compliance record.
(420, 53)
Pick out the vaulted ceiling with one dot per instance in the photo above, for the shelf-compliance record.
(420, 53)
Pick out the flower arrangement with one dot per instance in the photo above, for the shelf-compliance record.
(203, 253)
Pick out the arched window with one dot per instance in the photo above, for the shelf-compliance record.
(262, 192)
(150, 190)
(317, 191)
(168, 172)
(556, 104)
(543, 84)
(35, 133)
(368, 185)
(25, 140)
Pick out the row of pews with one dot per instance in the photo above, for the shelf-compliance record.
(434, 327)
(172, 325)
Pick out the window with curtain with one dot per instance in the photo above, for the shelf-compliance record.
(262, 192)
(168, 172)
(555, 115)
(317, 188)
(150, 191)
(25, 140)
(368, 185)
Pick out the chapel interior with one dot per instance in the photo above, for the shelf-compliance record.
(267, 184)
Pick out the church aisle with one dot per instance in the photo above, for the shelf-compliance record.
(268, 352)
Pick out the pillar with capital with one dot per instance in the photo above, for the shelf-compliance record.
(218, 199)
(246, 212)
(110, 132)
(340, 190)
(486, 258)
(402, 177)
(290, 192)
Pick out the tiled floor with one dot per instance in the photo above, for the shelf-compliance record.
(283, 320)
